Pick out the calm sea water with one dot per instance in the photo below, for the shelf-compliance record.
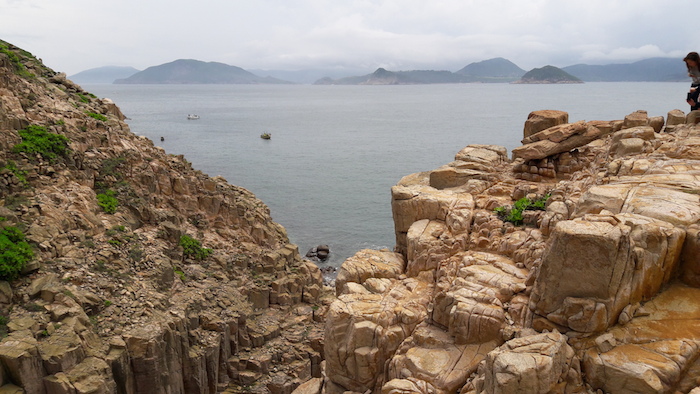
(335, 151)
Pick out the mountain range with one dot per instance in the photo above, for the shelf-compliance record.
(186, 71)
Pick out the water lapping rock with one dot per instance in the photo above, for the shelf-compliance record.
(597, 292)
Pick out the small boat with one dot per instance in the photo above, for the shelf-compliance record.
(192, 117)
(266, 136)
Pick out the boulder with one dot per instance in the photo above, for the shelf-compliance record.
(636, 118)
(675, 117)
(413, 200)
(20, 359)
(544, 119)
(431, 358)
(542, 363)
(363, 331)
(626, 258)
(557, 139)
(369, 263)
(472, 291)
(319, 253)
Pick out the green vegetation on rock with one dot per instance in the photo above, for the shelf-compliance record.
(108, 201)
(193, 248)
(15, 253)
(97, 116)
(38, 140)
(16, 61)
(514, 214)
(21, 175)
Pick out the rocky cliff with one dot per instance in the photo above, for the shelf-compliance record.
(144, 274)
(572, 268)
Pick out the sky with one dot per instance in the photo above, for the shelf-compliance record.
(76, 35)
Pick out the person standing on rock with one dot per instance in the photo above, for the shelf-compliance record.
(692, 61)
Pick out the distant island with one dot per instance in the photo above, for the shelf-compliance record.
(188, 71)
(496, 70)
(493, 70)
(106, 74)
(548, 74)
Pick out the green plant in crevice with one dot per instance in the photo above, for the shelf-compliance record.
(193, 248)
(514, 214)
(179, 273)
(21, 175)
(108, 201)
(38, 140)
(15, 253)
(96, 116)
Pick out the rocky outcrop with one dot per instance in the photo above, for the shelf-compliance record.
(115, 302)
(575, 298)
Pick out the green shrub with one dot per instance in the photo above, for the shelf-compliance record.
(181, 274)
(36, 139)
(193, 248)
(21, 175)
(515, 214)
(15, 253)
(97, 116)
(108, 201)
(20, 69)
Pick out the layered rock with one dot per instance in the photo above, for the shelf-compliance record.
(577, 298)
(116, 302)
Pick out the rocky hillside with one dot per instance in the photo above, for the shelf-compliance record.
(125, 270)
(572, 268)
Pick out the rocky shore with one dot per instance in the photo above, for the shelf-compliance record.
(571, 268)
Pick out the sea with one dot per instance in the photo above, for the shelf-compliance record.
(335, 151)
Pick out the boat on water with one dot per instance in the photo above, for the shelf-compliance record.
(266, 136)
(192, 116)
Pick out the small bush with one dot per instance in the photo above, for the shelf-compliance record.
(193, 248)
(15, 253)
(21, 175)
(36, 139)
(108, 201)
(97, 116)
(515, 214)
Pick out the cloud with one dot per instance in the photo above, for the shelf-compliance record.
(73, 35)
(618, 55)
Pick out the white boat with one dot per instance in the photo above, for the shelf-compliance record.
(192, 116)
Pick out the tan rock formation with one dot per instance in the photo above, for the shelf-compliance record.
(541, 120)
(542, 363)
(600, 264)
(557, 139)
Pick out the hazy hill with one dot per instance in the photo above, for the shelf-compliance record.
(384, 77)
(654, 69)
(492, 70)
(106, 74)
(308, 76)
(186, 71)
(548, 74)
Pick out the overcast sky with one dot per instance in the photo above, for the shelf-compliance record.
(75, 35)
